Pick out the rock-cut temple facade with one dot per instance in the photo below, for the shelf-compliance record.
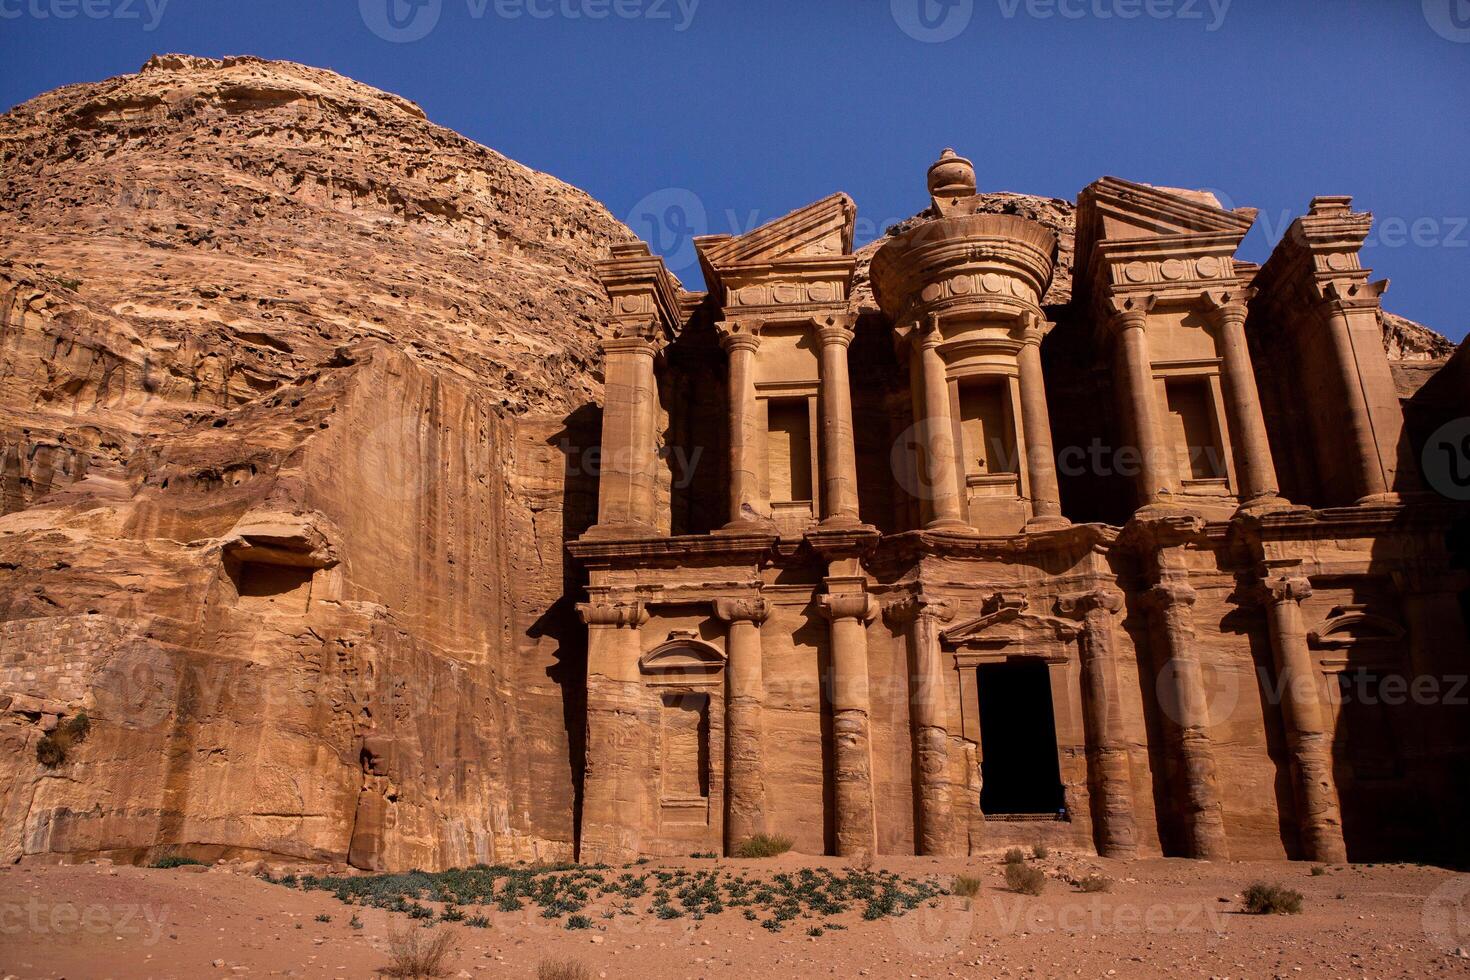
(897, 555)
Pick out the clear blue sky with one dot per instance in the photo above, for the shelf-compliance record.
(749, 108)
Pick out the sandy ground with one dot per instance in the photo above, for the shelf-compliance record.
(1162, 918)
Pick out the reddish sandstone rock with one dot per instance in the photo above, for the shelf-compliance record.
(285, 373)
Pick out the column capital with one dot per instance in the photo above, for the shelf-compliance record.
(621, 615)
(837, 329)
(1227, 305)
(1080, 604)
(1280, 589)
(1344, 296)
(1034, 328)
(739, 334)
(913, 607)
(1167, 595)
(926, 334)
(1128, 311)
(632, 336)
(749, 609)
(850, 605)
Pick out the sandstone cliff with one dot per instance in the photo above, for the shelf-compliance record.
(285, 373)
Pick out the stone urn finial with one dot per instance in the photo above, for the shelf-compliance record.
(951, 177)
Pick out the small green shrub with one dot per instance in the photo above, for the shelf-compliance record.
(579, 922)
(1318, 871)
(174, 861)
(763, 846)
(967, 886)
(1015, 856)
(1267, 899)
(323, 917)
(1094, 883)
(1024, 879)
(1040, 851)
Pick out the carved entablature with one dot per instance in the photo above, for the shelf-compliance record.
(647, 300)
(799, 263)
(1318, 264)
(1172, 244)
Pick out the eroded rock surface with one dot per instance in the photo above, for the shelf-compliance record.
(286, 379)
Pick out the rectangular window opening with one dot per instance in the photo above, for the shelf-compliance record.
(789, 450)
(1193, 430)
(989, 430)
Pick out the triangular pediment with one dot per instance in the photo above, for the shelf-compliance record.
(818, 231)
(1006, 627)
(1126, 211)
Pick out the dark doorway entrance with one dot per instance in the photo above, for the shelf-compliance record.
(1018, 736)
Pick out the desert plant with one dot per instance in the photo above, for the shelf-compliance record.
(1094, 883)
(763, 846)
(174, 861)
(323, 917)
(1318, 871)
(1015, 856)
(1267, 899)
(1024, 879)
(967, 886)
(562, 970)
(416, 954)
(355, 922)
(1040, 851)
(52, 749)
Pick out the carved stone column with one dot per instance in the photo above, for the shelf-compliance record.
(1254, 465)
(1107, 749)
(939, 473)
(629, 459)
(741, 339)
(745, 692)
(1041, 463)
(1306, 726)
(1184, 700)
(839, 455)
(1373, 451)
(857, 831)
(1135, 375)
(615, 801)
(928, 718)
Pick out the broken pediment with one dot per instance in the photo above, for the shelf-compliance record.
(822, 230)
(1005, 622)
(1120, 210)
